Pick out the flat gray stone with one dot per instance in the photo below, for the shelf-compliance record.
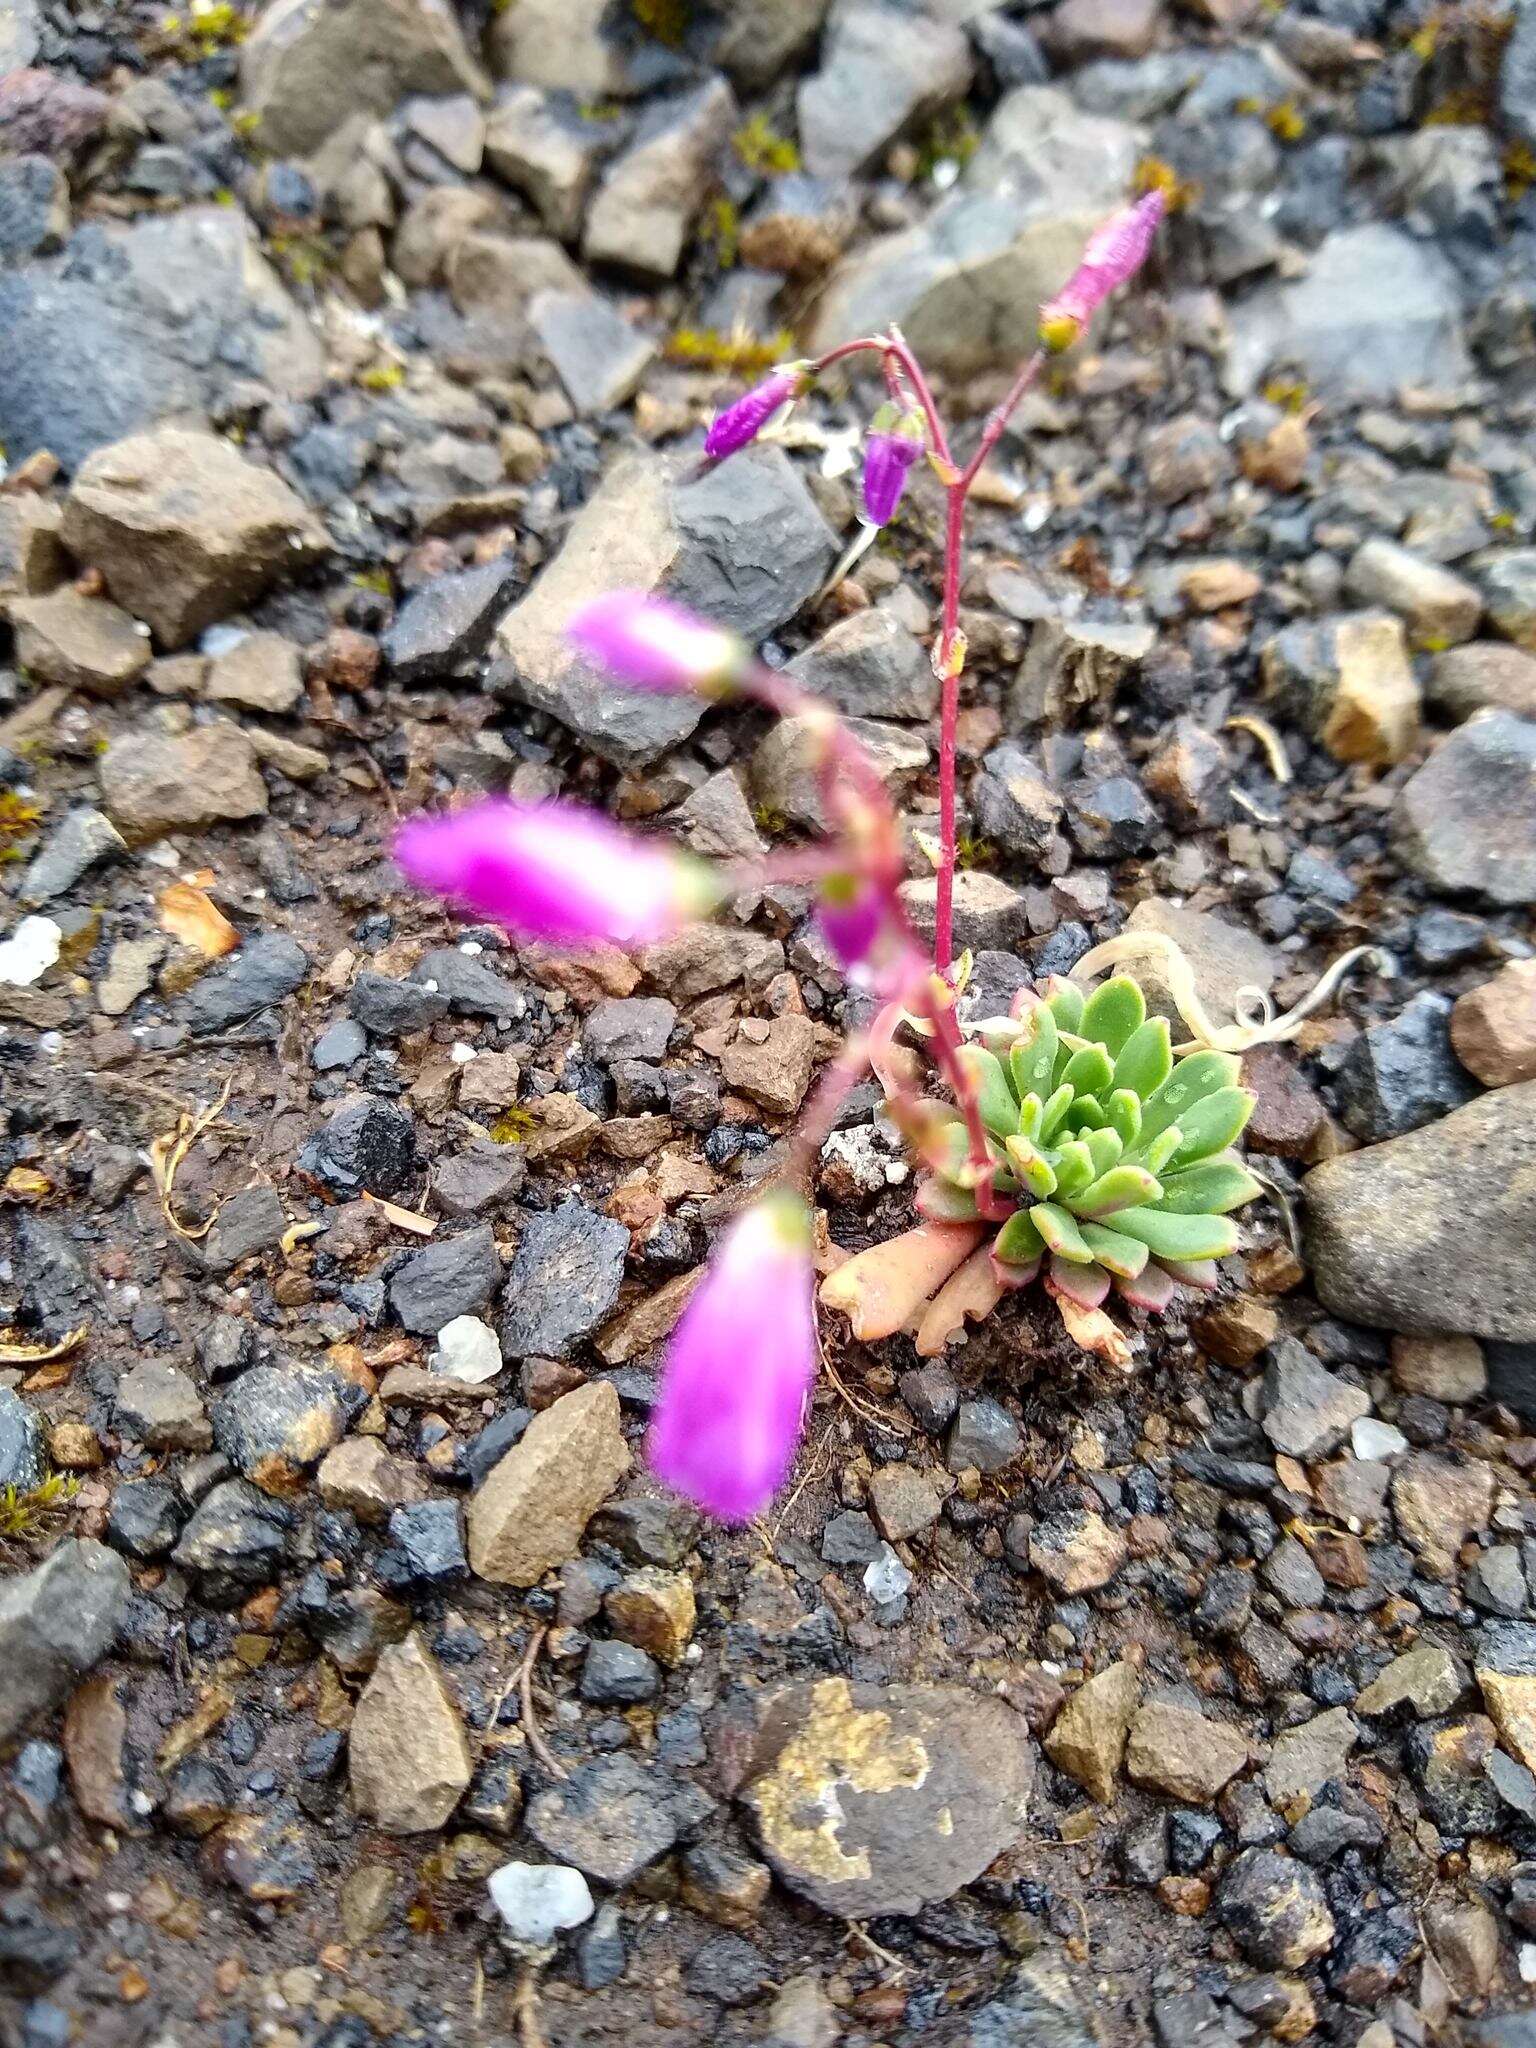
(56, 1623)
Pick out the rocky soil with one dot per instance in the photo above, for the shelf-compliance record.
(356, 1685)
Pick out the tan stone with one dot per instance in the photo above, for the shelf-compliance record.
(1088, 1737)
(1438, 606)
(82, 643)
(772, 1062)
(655, 1610)
(1438, 1505)
(1178, 1751)
(644, 1326)
(531, 1512)
(903, 1502)
(409, 1754)
(1374, 713)
(1441, 1368)
(367, 1480)
(1493, 1028)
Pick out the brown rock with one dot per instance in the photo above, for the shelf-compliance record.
(771, 1062)
(260, 674)
(32, 557)
(367, 1480)
(655, 1610)
(1082, 29)
(1178, 1751)
(1235, 1332)
(1493, 1028)
(1088, 1737)
(80, 643)
(1448, 1369)
(644, 1326)
(1438, 1505)
(151, 785)
(1288, 1111)
(530, 1513)
(903, 1502)
(1485, 675)
(95, 1728)
(185, 529)
(409, 1755)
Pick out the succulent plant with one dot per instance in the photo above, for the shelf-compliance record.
(1116, 1154)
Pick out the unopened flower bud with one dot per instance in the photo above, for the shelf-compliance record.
(896, 441)
(742, 422)
(652, 644)
(1115, 252)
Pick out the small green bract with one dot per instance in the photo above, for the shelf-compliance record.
(1118, 1155)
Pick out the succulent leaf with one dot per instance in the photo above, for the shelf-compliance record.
(1123, 1111)
(1033, 1059)
(1034, 1170)
(1104, 1145)
(1199, 1273)
(1019, 1242)
(1086, 1285)
(1122, 1187)
(1066, 1002)
(1113, 1013)
(1074, 1169)
(1214, 1188)
(1199, 1075)
(1145, 1060)
(1060, 1231)
(1123, 1256)
(995, 1099)
(1155, 1153)
(1086, 1114)
(940, 1201)
(1211, 1124)
(1031, 1110)
(1151, 1289)
(1055, 1109)
(1171, 1236)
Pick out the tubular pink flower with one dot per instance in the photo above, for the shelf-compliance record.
(652, 644)
(895, 443)
(555, 872)
(1115, 252)
(740, 1366)
(742, 422)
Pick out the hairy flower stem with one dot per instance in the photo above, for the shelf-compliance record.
(902, 369)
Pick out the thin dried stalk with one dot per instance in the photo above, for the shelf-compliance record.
(168, 1152)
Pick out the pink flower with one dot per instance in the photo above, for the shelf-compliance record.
(745, 420)
(740, 1366)
(555, 872)
(896, 441)
(1115, 252)
(652, 644)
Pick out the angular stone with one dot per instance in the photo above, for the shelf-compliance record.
(452, 1276)
(81, 839)
(870, 666)
(1303, 1760)
(277, 1420)
(1439, 607)
(903, 1501)
(407, 1751)
(539, 144)
(539, 1901)
(756, 41)
(153, 785)
(1348, 680)
(159, 1405)
(1508, 577)
(1427, 1678)
(594, 351)
(236, 1539)
(267, 969)
(706, 957)
(252, 1221)
(138, 324)
(744, 544)
(363, 1477)
(564, 45)
(1308, 1411)
(531, 1512)
(1504, 1663)
(1437, 1506)
(310, 66)
(1485, 675)
(1402, 1073)
(1224, 958)
(786, 764)
(367, 1143)
(446, 625)
(882, 71)
(641, 213)
(80, 643)
(654, 1610)
(21, 1443)
(1275, 1909)
(564, 1282)
(609, 1819)
(875, 1799)
(1467, 818)
(185, 530)
(1088, 1737)
(260, 674)
(1493, 1028)
(1432, 1232)
(1076, 1552)
(772, 1063)
(1178, 1751)
(56, 1623)
(1450, 1369)
(1074, 665)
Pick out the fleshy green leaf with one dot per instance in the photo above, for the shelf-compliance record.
(1086, 1113)
(1211, 1124)
(1055, 1109)
(994, 1098)
(1033, 1059)
(1155, 1154)
(1199, 1075)
(1031, 1109)
(1060, 1231)
(1212, 1189)
(1019, 1242)
(1113, 1012)
(1034, 1170)
(1090, 1071)
(1086, 1285)
(1152, 1288)
(1074, 1168)
(1179, 1237)
(940, 1201)
(1123, 1187)
(1122, 1112)
(1104, 1144)
(1123, 1256)
(1146, 1059)
(1199, 1273)
(1066, 1003)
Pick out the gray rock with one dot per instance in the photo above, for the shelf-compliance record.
(153, 784)
(1015, 807)
(966, 285)
(80, 840)
(277, 1420)
(539, 144)
(619, 1675)
(446, 625)
(642, 211)
(266, 970)
(564, 45)
(452, 1276)
(756, 40)
(594, 351)
(1467, 818)
(744, 544)
(564, 1280)
(82, 643)
(983, 1438)
(368, 1144)
(158, 1405)
(57, 1290)
(1402, 1073)
(786, 764)
(34, 204)
(252, 1221)
(870, 666)
(312, 65)
(471, 986)
(20, 29)
(237, 1538)
(609, 1819)
(57, 1622)
(1517, 77)
(21, 1443)
(388, 1008)
(1376, 310)
(484, 1177)
(1484, 675)
(1432, 1232)
(1308, 1411)
(338, 1047)
(1508, 577)
(629, 1028)
(144, 323)
(882, 72)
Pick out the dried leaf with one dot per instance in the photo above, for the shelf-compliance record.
(216, 1702)
(880, 1288)
(1268, 739)
(15, 1351)
(972, 1292)
(1093, 1329)
(403, 1219)
(167, 1152)
(189, 914)
(27, 1185)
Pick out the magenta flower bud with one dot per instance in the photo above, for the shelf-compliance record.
(742, 422)
(555, 872)
(896, 441)
(740, 1365)
(1115, 252)
(851, 914)
(652, 644)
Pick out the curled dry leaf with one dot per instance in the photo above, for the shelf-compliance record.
(1094, 1330)
(403, 1219)
(879, 1289)
(972, 1292)
(16, 1351)
(189, 914)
